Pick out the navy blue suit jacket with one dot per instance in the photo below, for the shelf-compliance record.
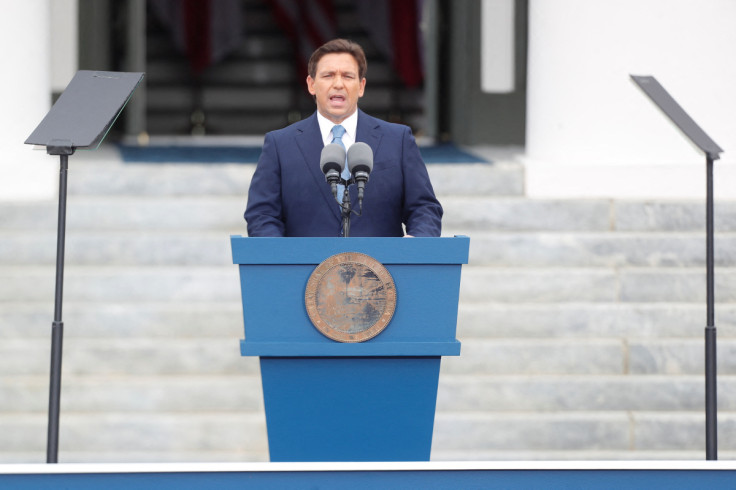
(288, 195)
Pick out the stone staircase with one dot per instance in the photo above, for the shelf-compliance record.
(581, 321)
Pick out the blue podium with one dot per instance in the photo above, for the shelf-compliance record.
(332, 401)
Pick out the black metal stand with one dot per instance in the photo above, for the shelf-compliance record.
(80, 118)
(57, 327)
(657, 94)
(346, 210)
(711, 401)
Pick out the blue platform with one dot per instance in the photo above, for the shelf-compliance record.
(665, 475)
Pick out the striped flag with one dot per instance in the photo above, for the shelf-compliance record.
(393, 26)
(308, 23)
(206, 31)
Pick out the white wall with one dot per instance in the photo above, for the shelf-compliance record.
(592, 132)
(497, 46)
(64, 43)
(25, 99)
(40, 56)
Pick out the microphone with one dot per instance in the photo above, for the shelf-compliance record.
(332, 163)
(360, 164)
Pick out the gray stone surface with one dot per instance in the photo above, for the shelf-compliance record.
(127, 213)
(157, 180)
(673, 216)
(474, 213)
(129, 357)
(682, 285)
(498, 179)
(575, 393)
(674, 431)
(527, 431)
(133, 393)
(589, 320)
(130, 284)
(126, 248)
(517, 285)
(581, 321)
(154, 320)
(678, 356)
(537, 356)
(606, 249)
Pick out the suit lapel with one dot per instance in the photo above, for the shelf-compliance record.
(309, 140)
(368, 132)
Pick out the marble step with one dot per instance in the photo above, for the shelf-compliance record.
(103, 174)
(123, 435)
(114, 434)
(491, 394)
(135, 393)
(163, 320)
(591, 320)
(464, 214)
(252, 454)
(224, 214)
(129, 357)
(514, 393)
(598, 249)
(118, 320)
(479, 357)
(479, 284)
(595, 285)
(439, 454)
(502, 249)
(579, 431)
(123, 284)
(602, 357)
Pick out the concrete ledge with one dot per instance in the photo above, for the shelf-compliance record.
(625, 180)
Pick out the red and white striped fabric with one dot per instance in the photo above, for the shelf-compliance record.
(205, 30)
(308, 23)
(393, 26)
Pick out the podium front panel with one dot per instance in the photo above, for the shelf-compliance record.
(274, 274)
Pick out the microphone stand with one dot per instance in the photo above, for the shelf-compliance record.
(346, 210)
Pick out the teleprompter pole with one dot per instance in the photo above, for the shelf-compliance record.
(57, 327)
(711, 401)
(80, 118)
(664, 101)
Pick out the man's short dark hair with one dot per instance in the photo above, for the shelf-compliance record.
(338, 46)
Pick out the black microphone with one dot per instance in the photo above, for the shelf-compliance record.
(332, 163)
(360, 164)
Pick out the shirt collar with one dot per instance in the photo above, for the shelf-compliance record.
(325, 126)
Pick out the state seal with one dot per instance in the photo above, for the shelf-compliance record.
(350, 297)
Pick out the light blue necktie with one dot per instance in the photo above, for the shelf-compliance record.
(337, 133)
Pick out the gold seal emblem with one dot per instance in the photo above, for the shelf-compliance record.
(350, 297)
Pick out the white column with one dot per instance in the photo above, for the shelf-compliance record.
(592, 132)
(25, 98)
(64, 48)
(497, 46)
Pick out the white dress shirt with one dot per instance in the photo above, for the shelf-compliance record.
(350, 124)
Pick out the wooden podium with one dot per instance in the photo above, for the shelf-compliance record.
(332, 401)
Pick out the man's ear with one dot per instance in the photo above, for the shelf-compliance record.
(310, 84)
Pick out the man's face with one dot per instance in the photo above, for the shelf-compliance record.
(336, 86)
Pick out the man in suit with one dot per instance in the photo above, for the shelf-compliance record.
(288, 194)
